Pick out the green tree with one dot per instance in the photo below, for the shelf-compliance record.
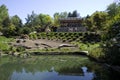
(87, 22)
(113, 21)
(25, 30)
(73, 14)
(38, 22)
(112, 9)
(9, 31)
(112, 36)
(30, 20)
(6, 22)
(44, 21)
(3, 13)
(99, 20)
(57, 16)
(56, 19)
(16, 21)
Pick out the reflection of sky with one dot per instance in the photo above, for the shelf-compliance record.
(50, 76)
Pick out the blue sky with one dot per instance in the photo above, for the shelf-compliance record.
(24, 7)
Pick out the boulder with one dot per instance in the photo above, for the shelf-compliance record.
(66, 45)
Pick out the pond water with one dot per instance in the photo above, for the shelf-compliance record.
(53, 67)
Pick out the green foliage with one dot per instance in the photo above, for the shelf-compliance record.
(95, 50)
(3, 13)
(87, 21)
(16, 21)
(73, 14)
(4, 43)
(9, 26)
(57, 16)
(113, 9)
(56, 19)
(96, 22)
(99, 19)
(25, 30)
(63, 51)
(38, 22)
(20, 49)
(32, 36)
(106, 24)
(9, 31)
(98, 54)
(70, 36)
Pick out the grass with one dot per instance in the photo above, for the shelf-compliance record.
(94, 49)
(54, 50)
(4, 43)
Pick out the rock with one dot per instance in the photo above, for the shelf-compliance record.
(85, 52)
(24, 55)
(65, 45)
(16, 54)
(27, 47)
(37, 44)
(18, 41)
(46, 45)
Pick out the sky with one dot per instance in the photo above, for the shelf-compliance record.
(24, 7)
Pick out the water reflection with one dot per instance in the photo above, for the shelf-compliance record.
(52, 68)
(53, 75)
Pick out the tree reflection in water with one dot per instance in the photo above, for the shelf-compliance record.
(52, 68)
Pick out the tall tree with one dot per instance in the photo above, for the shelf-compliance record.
(8, 28)
(63, 14)
(99, 19)
(56, 19)
(114, 20)
(57, 16)
(3, 13)
(38, 22)
(69, 14)
(16, 21)
(88, 22)
(44, 21)
(73, 14)
(112, 9)
(30, 19)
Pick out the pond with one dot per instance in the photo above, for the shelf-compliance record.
(53, 67)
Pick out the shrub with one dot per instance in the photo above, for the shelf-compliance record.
(33, 36)
(97, 53)
(20, 49)
(4, 43)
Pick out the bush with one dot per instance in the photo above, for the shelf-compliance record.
(97, 53)
(33, 36)
(112, 55)
(4, 43)
(20, 49)
(70, 36)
